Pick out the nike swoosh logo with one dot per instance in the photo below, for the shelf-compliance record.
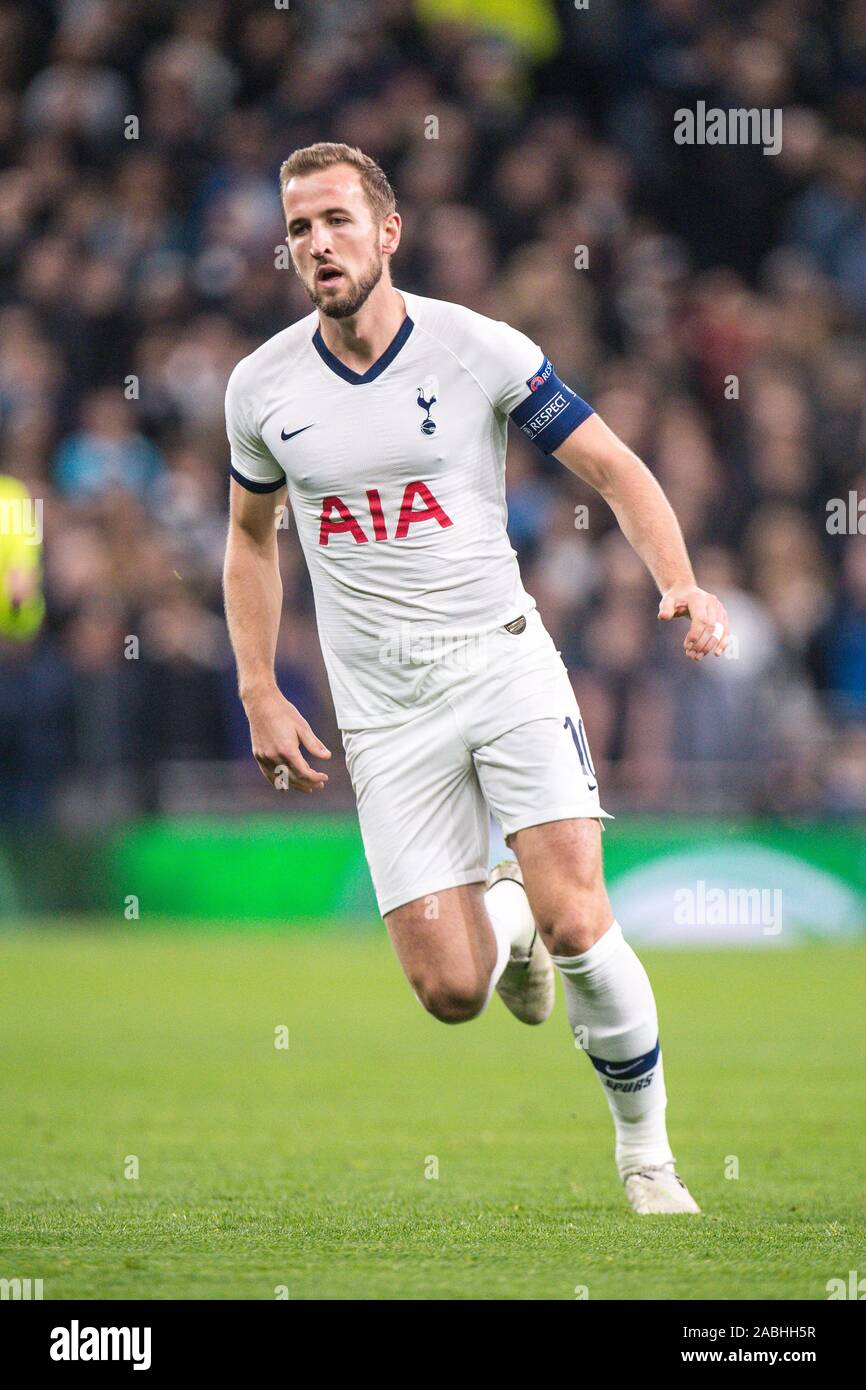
(285, 436)
(617, 1071)
(593, 787)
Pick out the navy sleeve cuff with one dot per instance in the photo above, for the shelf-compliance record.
(548, 416)
(256, 487)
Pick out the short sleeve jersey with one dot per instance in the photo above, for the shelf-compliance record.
(396, 479)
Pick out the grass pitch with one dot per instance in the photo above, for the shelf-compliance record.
(305, 1169)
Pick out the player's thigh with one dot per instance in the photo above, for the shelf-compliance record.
(536, 766)
(447, 949)
(423, 819)
(561, 863)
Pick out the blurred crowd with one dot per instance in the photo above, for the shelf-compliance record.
(717, 321)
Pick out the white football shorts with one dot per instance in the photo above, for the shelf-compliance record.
(504, 733)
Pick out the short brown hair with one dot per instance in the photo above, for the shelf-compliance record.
(374, 180)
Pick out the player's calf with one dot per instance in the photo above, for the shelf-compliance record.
(609, 1000)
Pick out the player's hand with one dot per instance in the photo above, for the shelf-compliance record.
(708, 631)
(279, 731)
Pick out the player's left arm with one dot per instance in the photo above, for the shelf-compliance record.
(647, 521)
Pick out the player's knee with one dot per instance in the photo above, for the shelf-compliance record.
(576, 921)
(451, 1001)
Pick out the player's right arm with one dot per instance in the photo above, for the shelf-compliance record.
(253, 601)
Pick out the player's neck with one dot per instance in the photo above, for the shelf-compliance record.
(360, 341)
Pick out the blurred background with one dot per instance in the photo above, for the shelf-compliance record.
(717, 321)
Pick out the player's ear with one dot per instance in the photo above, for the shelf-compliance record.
(390, 234)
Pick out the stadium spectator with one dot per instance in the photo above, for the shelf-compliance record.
(709, 301)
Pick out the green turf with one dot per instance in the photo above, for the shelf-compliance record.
(305, 1168)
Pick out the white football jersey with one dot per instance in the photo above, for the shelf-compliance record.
(396, 479)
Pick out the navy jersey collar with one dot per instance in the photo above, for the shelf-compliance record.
(378, 367)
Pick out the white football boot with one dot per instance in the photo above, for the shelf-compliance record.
(656, 1189)
(526, 985)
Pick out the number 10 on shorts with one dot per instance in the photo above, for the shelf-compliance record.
(578, 733)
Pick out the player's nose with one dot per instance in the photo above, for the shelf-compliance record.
(319, 243)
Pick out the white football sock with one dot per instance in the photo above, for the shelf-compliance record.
(513, 926)
(613, 1017)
